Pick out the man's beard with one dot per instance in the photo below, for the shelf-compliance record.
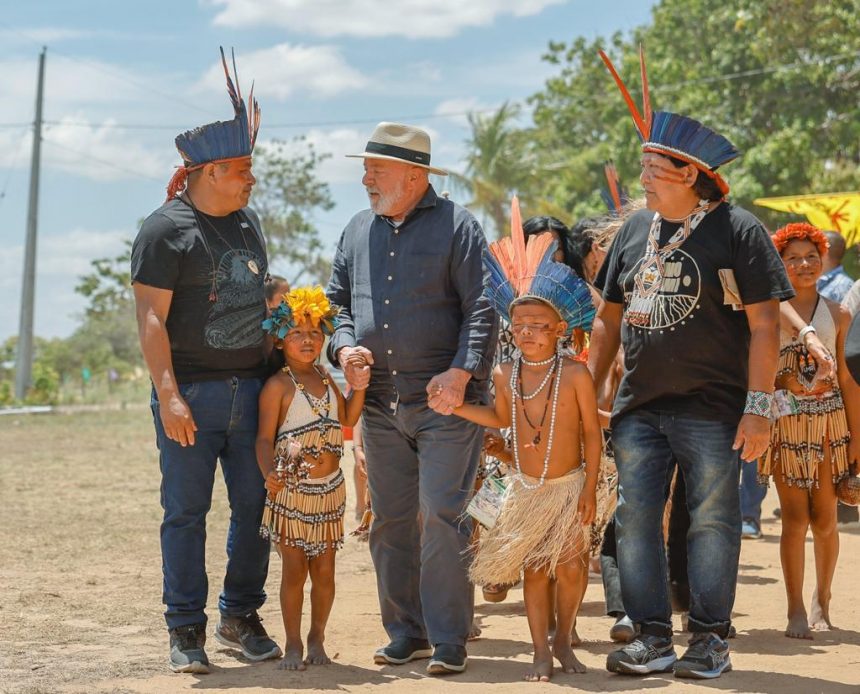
(384, 203)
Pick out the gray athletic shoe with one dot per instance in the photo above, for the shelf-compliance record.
(707, 657)
(186, 649)
(643, 655)
(246, 633)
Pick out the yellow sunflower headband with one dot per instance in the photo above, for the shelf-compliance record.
(304, 304)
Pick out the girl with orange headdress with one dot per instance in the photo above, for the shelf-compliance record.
(811, 447)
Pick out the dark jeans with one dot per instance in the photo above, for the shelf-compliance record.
(226, 416)
(676, 551)
(421, 471)
(647, 444)
(752, 493)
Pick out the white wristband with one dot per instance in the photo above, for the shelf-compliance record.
(805, 331)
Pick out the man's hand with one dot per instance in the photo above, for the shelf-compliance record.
(826, 362)
(355, 362)
(177, 420)
(754, 435)
(446, 391)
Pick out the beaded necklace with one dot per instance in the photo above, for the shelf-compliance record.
(549, 374)
(319, 406)
(515, 375)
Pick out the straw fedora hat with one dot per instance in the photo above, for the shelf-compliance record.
(398, 142)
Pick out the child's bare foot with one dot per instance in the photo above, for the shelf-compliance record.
(541, 669)
(316, 653)
(798, 626)
(819, 613)
(474, 632)
(564, 655)
(575, 640)
(292, 659)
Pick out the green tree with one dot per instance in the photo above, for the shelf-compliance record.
(500, 163)
(287, 194)
(780, 78)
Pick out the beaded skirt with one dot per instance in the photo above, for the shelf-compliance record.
(307, 514)
(798, 442)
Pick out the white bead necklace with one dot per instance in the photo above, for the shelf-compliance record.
(542, 362)
(515, 371)
(546, 379)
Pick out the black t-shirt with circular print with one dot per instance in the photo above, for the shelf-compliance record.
(690, 354)
(216, 274)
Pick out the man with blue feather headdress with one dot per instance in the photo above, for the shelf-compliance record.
(198, 266)
(691, 290)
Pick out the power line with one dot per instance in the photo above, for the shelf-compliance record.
(432, 116)
(12, 162)
(110, 72)
(103, 162)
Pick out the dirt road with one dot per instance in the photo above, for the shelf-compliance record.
(80, 580)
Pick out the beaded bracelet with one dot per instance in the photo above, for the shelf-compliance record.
(804, 332)
(759, 403)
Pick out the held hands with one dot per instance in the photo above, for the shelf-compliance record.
(587, 506)
(177, 420)
(826, 362)
(494, 444)
(446, 391)
(355, 362)
(754, 435)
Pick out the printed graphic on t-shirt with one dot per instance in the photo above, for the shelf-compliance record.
(234, 322)
(660, 301)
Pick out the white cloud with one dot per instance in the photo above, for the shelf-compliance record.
(61, 260)
(373, 18)
(285, 69)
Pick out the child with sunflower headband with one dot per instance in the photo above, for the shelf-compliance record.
(547, 399)
(299, 446)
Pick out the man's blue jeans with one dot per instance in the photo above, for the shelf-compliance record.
(421, 470)
(752, 493)
(647, 444)
(226, 416)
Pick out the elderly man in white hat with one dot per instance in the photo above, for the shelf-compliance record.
(408, 273)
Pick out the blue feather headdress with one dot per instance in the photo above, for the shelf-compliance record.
(674, 135)
(222, 140)
(518, 271)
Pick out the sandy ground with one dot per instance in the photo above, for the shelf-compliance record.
(80, 580)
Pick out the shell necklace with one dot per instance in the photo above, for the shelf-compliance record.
(515, 375)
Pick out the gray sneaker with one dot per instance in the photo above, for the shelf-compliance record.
(707, 658)
(246, 633)
(643, 655)
(186, 649)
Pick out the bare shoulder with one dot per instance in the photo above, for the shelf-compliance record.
(278, 385)
(503, 369)
(841, 315)
(575, 369)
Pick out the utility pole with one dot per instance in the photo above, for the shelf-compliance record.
(24, 359)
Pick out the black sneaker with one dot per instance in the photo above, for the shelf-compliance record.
(643, 655)
(706, 658)
(246, 633)
(186, 649)
(402, 650)
(447, 659)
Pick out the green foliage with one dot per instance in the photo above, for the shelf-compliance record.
(778, 78)
(45, 389)
(287, 194)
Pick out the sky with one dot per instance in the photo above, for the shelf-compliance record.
(124, 78)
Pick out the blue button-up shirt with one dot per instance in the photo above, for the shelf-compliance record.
(834, 285)
(413, 295)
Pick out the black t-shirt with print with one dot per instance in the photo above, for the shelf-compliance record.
(692, 358)
(209, 339)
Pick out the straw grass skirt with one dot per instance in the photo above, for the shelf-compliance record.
(537, 529)
(798, 442)
(307, 514)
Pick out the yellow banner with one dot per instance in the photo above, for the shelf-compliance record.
(836, 211)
